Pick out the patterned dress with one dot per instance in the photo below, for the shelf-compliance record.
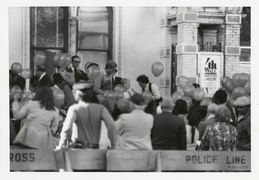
(219, 137)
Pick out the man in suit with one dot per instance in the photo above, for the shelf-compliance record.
(243, 107)
(134, 128)
(168, 132)
(107, 80)
(74, 68)
(15, 79)
(43, 78)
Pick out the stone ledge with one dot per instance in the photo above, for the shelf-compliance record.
(187, 17)
(233, 19)
(186, 49)
(232, 50)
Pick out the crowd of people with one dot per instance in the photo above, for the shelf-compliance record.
(93, 108)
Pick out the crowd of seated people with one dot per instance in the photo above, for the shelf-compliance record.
(101, 111)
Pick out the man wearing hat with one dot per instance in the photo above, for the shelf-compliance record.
(82, 126)
(134, 128)
(168, 132)
(74, 68)
(107, 80)
(242, 105)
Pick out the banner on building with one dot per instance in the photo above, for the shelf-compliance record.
(210, 70)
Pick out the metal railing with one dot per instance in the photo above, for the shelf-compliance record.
(209, 47)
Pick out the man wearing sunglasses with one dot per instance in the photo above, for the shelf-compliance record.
(79, 74)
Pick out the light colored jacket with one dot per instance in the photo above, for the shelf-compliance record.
(135, 129)
(39, 126)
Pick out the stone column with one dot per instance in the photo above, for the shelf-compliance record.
(232, 43)
(221, 36)
(72, 35)
(187, 48)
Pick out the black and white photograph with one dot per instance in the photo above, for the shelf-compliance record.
(112, 88)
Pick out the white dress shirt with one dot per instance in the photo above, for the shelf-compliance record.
(155, 90)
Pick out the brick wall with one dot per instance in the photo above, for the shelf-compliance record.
(187, 33)
(232, 35)
(232, 38)
(187, 65)
(187, 37)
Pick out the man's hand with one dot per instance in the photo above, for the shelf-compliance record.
(61, 147)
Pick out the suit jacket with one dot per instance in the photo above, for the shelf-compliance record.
(134, 129)
(168, 132)
(244, 132)
(16, 80)
(45, 81)
(116, 81)
(79, 75)
(102, 83)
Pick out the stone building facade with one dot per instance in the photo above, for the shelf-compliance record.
(141, 36)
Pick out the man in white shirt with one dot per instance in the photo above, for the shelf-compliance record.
(144, 83)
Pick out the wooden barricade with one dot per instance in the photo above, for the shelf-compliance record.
(128, 160)
(88, 159)
(205, 161)
(178, 161)
(131, 160)
(32, 160)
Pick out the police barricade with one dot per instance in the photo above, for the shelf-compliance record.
(131, 160)
(178, 161)
(128, 160)
(85, 160)
(63, 160)
(206, 161)
(32, 160)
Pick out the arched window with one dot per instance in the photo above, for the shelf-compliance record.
(49, 33)
(94, 41)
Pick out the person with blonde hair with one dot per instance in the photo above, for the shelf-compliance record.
(127, 92)
(209, 120)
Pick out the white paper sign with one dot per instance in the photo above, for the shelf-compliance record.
(210, 73)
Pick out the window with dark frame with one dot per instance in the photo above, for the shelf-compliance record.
(49, 33)
(94, 36)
